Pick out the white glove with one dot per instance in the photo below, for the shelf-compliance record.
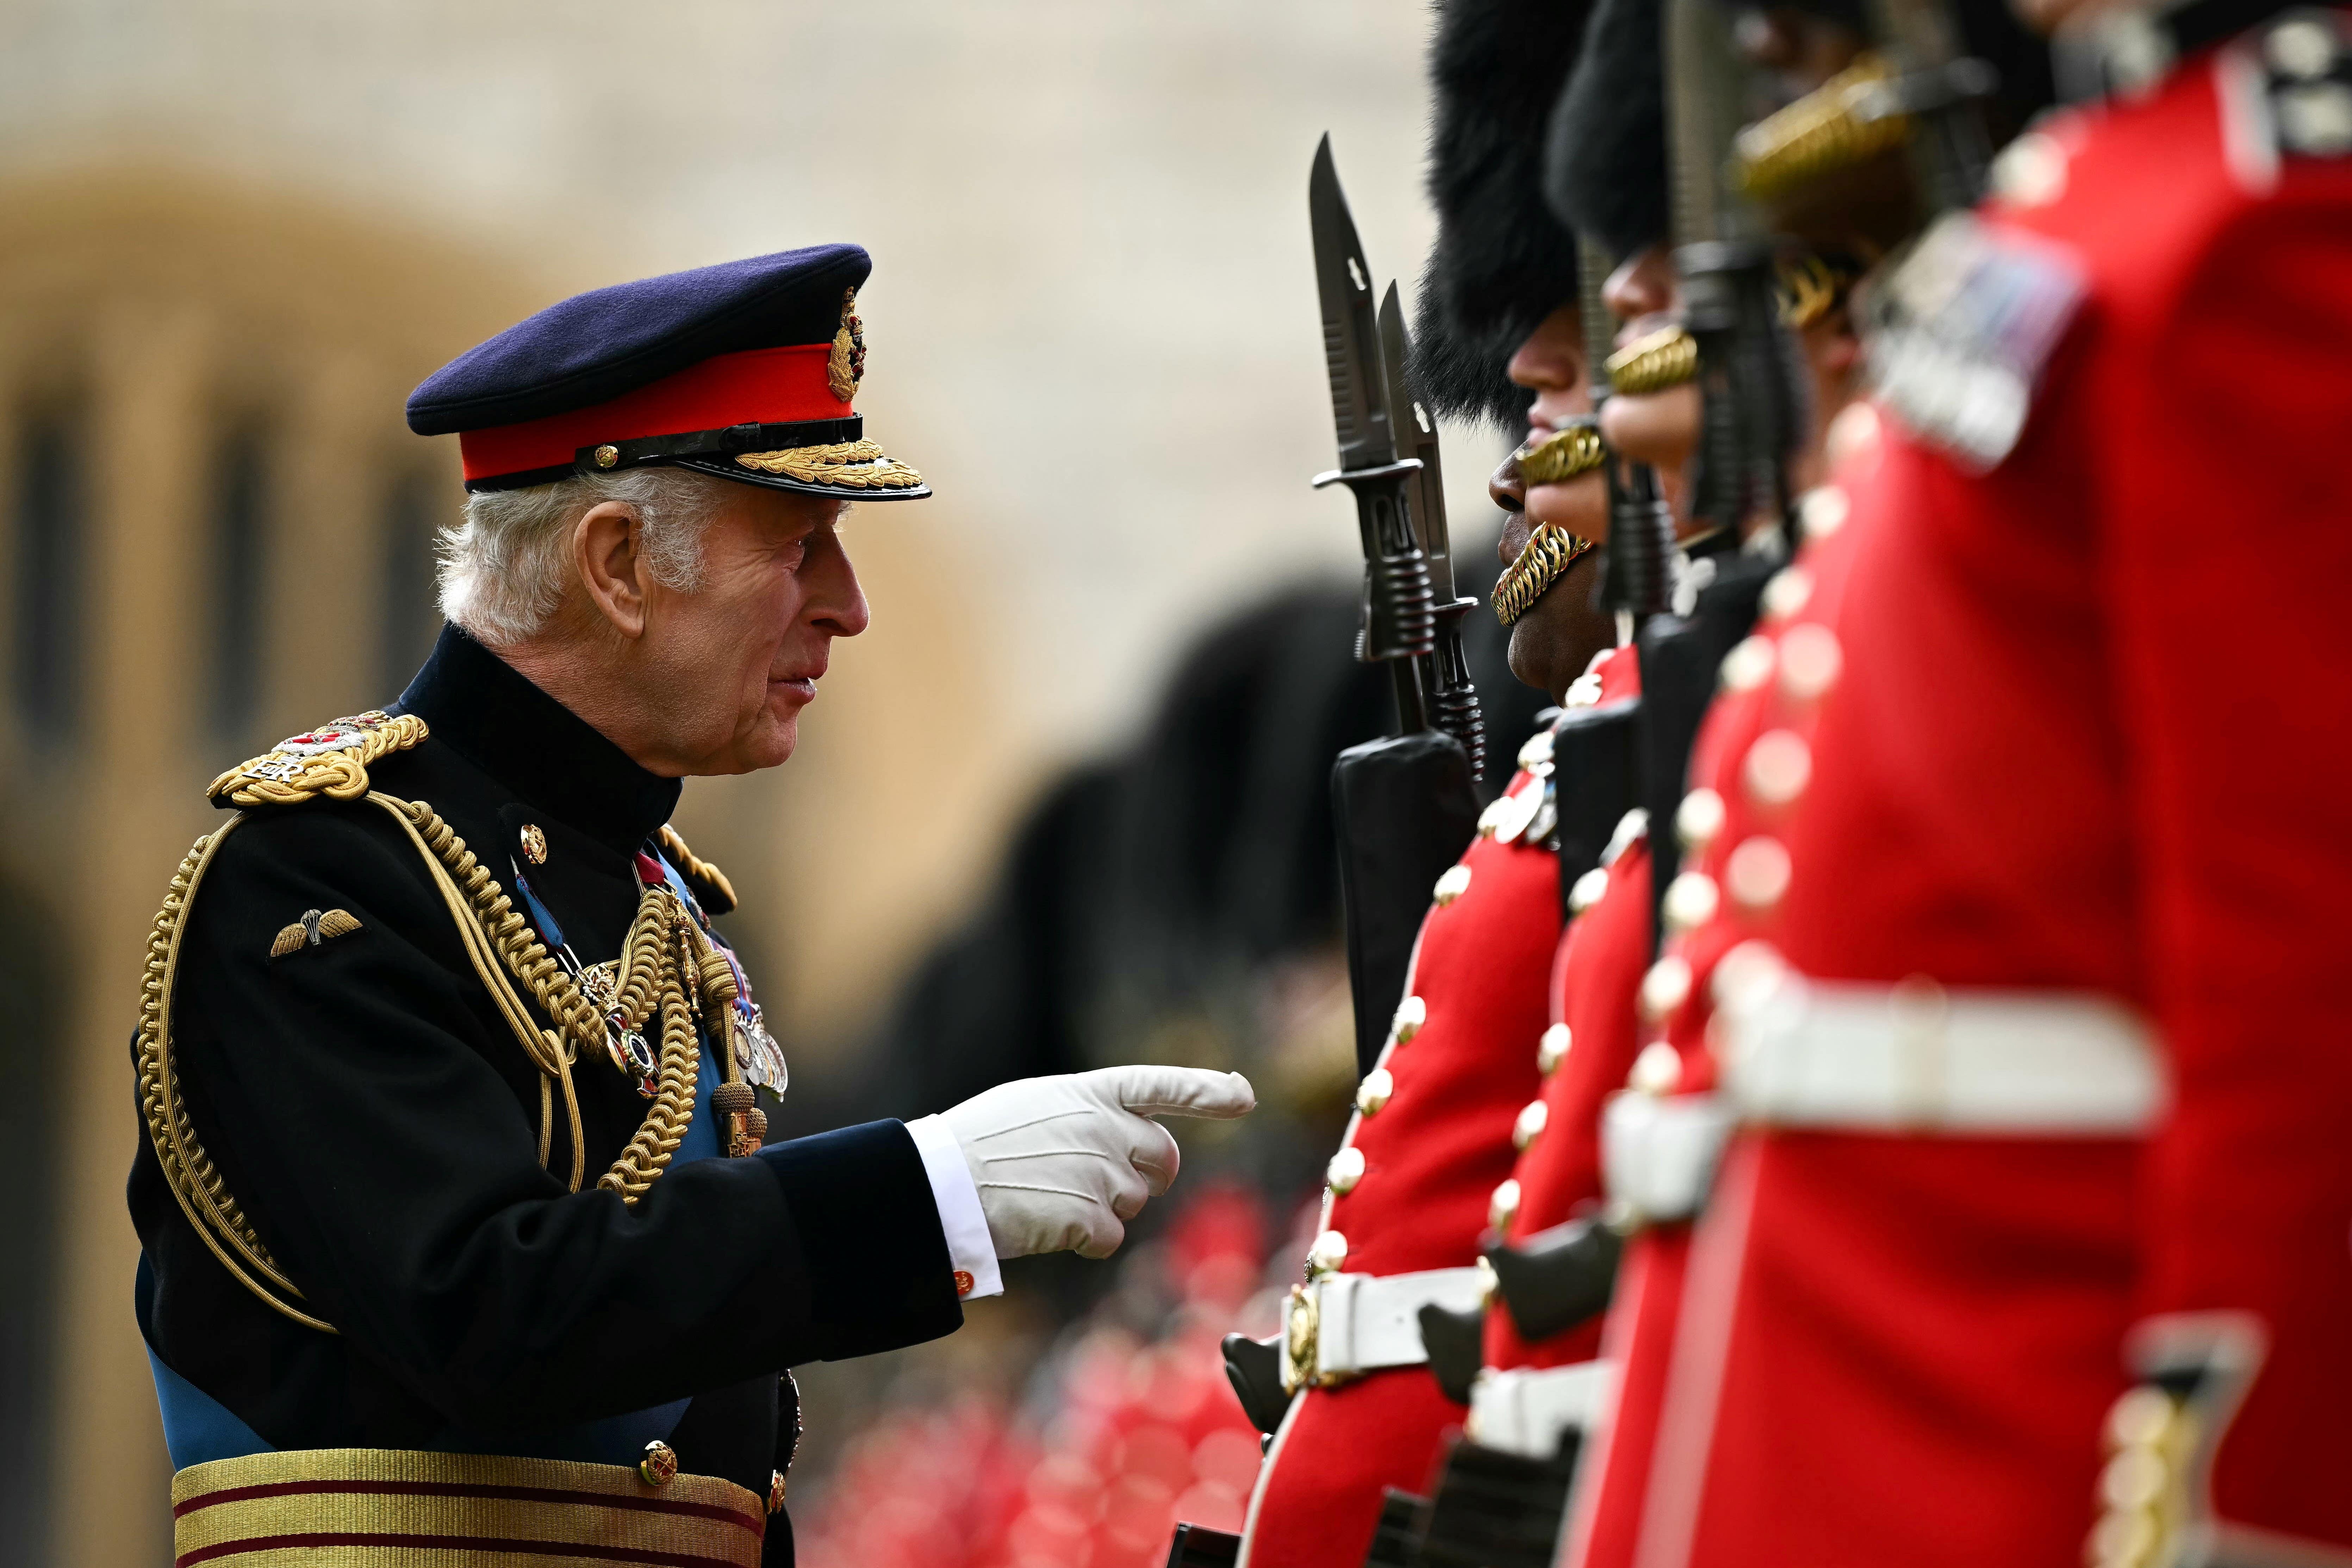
(1061, 1164)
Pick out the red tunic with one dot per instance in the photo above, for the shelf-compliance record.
(1615, 1475)
(2088, 736)
(1599, 966)
(1433, 1157)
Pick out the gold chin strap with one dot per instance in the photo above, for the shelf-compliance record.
(1810, 286)
(1654, 361)
(1563, 455)
(1843, 123)
(1547, 552)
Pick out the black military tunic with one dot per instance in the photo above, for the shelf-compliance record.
(377, 1119)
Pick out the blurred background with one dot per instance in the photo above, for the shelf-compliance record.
(1065, 803)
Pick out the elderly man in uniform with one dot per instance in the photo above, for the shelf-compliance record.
(459, 1232)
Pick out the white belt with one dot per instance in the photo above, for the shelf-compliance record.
(1913, 1057)
(1341, 1325)
(1658, 1152)
(1527, 1410)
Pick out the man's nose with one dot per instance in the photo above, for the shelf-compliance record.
(838, 604)
(1507, 486)
(1552, 357)
(1643, 285)
(1536, 366)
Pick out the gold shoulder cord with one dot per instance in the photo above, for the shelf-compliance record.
(667, 965)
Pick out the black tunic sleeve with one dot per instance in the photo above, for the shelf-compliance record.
(380, 1125)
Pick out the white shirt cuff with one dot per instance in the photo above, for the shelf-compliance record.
(961, 1219)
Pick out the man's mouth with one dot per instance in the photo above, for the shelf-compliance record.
(802, 687)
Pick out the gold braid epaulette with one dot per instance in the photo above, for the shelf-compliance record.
(709, 883)
(331, 759)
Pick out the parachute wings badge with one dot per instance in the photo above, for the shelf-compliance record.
(315, 927)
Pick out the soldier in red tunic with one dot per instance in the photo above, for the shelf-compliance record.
(2034, 1232)
(1544, 1381)
(1409, 1189)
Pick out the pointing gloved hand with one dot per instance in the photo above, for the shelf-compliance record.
(1061, 1164)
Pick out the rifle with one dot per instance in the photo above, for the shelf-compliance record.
(1748, 368)
(1405, 807)
(1549, 1288)
(1939, 93)
(1399, 626)
(1445, 673)
(1636, 563)
(1754, 408)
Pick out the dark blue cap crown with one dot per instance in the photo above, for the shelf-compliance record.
(596, 346)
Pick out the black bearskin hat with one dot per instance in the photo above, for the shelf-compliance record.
(1503, 261)
(1605, 156)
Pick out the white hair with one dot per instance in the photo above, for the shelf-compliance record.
(504, 568)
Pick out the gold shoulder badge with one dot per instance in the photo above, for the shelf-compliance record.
(847, 367)
(331, 759)
(315, 927)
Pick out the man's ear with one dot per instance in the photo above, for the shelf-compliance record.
(606, 551)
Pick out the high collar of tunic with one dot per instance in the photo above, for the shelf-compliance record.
(489, 714)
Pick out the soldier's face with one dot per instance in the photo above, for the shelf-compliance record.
(1559, 635)
(1660, 428)
(737, 658)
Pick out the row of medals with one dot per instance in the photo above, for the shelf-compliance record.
(757, 1055)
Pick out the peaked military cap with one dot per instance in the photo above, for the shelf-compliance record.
(746, 370)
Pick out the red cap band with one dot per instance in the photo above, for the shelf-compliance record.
(767, 386)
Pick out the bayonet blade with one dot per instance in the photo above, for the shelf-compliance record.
(1350, 333)
(1593, 271)
(1703, 103)
(1416, 437)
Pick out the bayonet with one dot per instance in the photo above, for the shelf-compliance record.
(1416, 437)
(1635, 561)
(1399, 626)
(1444, 673)
(1748, 372)
(1938, 93)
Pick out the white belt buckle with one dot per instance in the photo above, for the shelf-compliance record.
(1338, 1326)
(1529, 1410)
(1658, 1154)
(1913, 1057)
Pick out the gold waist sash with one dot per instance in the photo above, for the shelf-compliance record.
(379, 1507)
